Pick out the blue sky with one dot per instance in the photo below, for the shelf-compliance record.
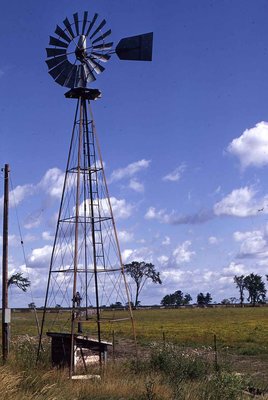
(184, 138)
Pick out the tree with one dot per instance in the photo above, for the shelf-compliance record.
(32, 305)
(204, 299)
(187, 299)
(225, 302)
(240, 284)
(176, 299)
(117, 304)
(18, 280)
(140, 272)
(255, 287)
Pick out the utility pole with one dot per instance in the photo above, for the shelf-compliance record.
(5, 309)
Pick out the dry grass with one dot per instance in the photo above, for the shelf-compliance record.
(183, 370)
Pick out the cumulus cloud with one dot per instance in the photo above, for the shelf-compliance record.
(17, 195)
(125, 236)
(140, 254)
(182, 252)
(135, 185)
(240, 236)
(252, 146)
(34, 219)
(166, 241)
(234, 269)
(47, 236)
(241, 203)
(254, 244)
(52, 182)
(213, 240)
(176, 174)
(163, 260)
(130, 170)
(159, 215)
(40, 257)
(121, 209)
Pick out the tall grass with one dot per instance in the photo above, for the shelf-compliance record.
(166, 373)
(182, 368)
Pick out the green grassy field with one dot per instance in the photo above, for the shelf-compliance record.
(181, 367)
(244, 330)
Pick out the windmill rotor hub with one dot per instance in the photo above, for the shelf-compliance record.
(81, 47)
(80, 51)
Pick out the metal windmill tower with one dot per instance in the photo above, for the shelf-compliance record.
(86, 273)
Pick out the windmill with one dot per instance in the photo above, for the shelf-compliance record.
(86, 274)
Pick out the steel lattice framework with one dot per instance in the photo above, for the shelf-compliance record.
(86, 273)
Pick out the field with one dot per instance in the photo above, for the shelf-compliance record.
(177, 359)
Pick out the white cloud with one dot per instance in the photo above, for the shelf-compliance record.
(163, 260)
(17, 195)
(176, 174)
(241, 203)
(252, 146)
(166, 241)
(254, 244)
(120, 208)
(234, 269)
(183, 253)
(34, 219)
(240, 236)
(40, 257)
(47, 236)
(52, 182)
(124, 236)
(213, 240)
(141, 254)
(135, 185)
(130, 170)
(159, 215)
(13, 240)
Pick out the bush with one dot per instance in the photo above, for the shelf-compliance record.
(178, 364)
(224, 386)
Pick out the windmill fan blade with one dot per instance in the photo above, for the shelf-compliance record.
(76, 23)
(101, 25)
(102, 36)
(103, 46)
(53, 62)
(61, 79)
(96, 66)
(70, 81)
(84, 22)
(89, 74)
(62, 34)
(52, 52)
(137, 48)
(59, 68)
(56, 42)
(69, 27)
(91, 24)
(99, 56)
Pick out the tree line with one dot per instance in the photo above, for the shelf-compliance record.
(250, 287)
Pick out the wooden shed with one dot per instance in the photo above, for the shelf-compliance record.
(86, 350)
